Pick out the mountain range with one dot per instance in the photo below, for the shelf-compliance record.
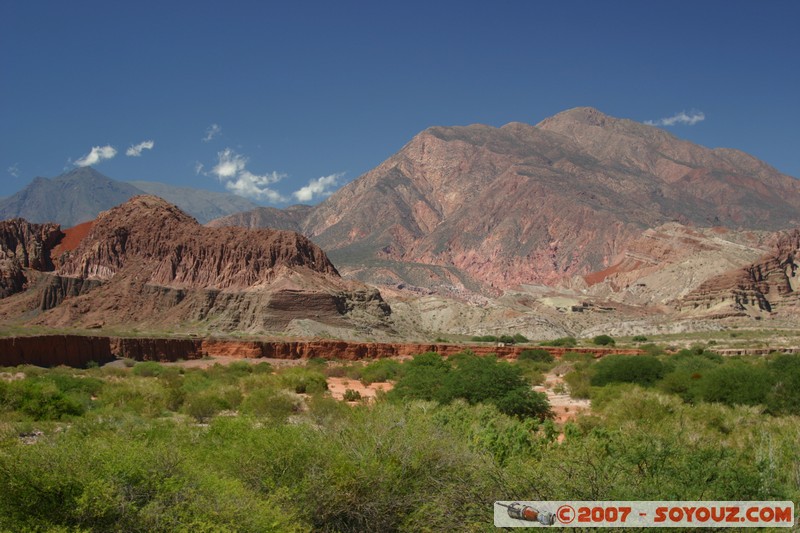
(478, 206)
(579, 225)
(79, 195)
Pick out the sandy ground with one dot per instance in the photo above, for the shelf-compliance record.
(337, 387)
(564, 406)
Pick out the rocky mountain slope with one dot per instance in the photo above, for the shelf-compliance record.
(540, 204)
(146, 263)
(79, 195)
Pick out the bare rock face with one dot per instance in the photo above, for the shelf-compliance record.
(764, 287)
(22, 246)
(147, 263)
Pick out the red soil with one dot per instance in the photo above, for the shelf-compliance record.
(72, 238)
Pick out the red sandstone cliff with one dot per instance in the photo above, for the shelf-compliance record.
(76, 350)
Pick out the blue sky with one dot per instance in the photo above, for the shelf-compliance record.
(295, 98)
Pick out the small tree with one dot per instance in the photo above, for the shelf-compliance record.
(538, 355)
(604, 340)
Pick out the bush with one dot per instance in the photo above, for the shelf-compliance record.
(568, 342)
(505, 338)
(351, 395)
(474, 379)
(642, 370)
(483, 338)
(785, 395)
(652, 349)
(303, 380)
(148, 369)
(41, 399)
(579, 383)
(639, 338)
(537, 354)
(736, 383)
(271, 403)
(204, 405)
(423, 377)
(603, 340)
(380, 371)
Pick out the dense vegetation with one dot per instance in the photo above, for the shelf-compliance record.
(698, 375)
(250, 448)
(505, 339)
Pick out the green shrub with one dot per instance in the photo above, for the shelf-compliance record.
(639, 338)
(603, 340)
(567, 342)
(148, 369)
(143, 396)
(262, 368)
(41, 399)
(785, 395)
(380, 371)
(652, 349)
(736, 383)
(579, 383)
(474, 379)
(423, 377)
(351, 395)
(303, 380)
(271, 403)
(204, 405)
(642, 370)
(536, 354)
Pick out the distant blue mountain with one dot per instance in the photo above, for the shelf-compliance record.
(80, 194)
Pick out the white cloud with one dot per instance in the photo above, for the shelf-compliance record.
(211, 132)
(231, 169)
(136, 149)
(319, 188)
(98, 153)
(229, 164)
(14, 170)
(198, 168)
(688, 119)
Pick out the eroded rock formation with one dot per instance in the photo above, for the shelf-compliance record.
(770, 284)
(147, 263)
(24, 245)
